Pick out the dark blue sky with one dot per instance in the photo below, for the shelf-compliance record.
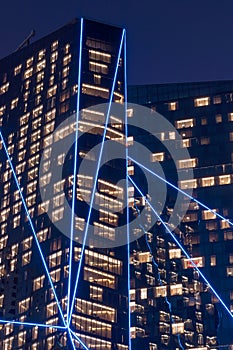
(168, 41)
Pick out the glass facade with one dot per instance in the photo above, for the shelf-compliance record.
(47, 281)
(39, 90)
(202, 114)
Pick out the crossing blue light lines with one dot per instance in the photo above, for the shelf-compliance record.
(96, 177)
(181, 191)
(182, 248)
(32, 227)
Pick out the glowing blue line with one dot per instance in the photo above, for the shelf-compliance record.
(127, 194)
(71, 339)
(78, 339)
(32, 227)
(75, 167)
(29, 324)
(158, 273)
(184, 193)
(95, 180)
(181, 247)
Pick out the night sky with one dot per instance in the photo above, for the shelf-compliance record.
(168, 40)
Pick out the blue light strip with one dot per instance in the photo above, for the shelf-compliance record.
(158, 273)
(29, 324)
(32, 227)
(75, 167)
(181, 247)
(184, 193)
(78, 339)
(95, 180)
(127, 193)
(71, 339)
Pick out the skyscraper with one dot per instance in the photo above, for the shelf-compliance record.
(202, 114)
(68, 277)
(47, 281)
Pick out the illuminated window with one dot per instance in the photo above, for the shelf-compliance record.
(57, 214)
(224, 179)
(54, 45)
(198, 261)
(43, 207)
(43, 235)
(24, 305)
(2, 110)
(99, 56)
(211, 225)
(28, 74)
(207, 181)
(205, 140)
(187, 163)
(38, 283)
(99, 277)
(29, 62)
(178, 328)
(176, 289)
(228, 235)
(41, 54)
(14, 103)
(54, 57)
(4, 88)
(172, 106)
(185, 143)
(208, 215)
(229, 271)
(40, 77)
(66, 60)
(217, 99)
(188, 184)
(41, 65)
(26, 258)
(55, 259)
(203, 101)
(230, 117)
(51, 309)
(144, 257)
(98, 67)
(224, 224)
(203, 121)
(160, 291)
(213, 237)
(97, 79)
(17, 69)
(56, 275)
(218, 118)
(52, 91)
(16, 221)
(96, 293)
(27, 243)
(186, 123)
(171, 135)
(231, 136)
(143, 293)
(95, 91)
(37, 111)
(213, 260)
(174, 253)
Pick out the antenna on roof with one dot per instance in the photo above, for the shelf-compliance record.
(26, 42)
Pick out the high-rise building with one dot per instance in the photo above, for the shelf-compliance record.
(55, 291)
(203, 114)
(42, 85)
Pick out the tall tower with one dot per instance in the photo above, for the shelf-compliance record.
(56, 293)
